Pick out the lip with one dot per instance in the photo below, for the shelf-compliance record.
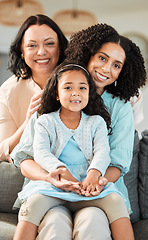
(101, 77)
(75, 101)
(42, 61)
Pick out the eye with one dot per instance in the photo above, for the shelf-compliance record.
(68, 87)
(117, 66)
(83, 88)
(32, 45)
(102, 58)
(49, 43)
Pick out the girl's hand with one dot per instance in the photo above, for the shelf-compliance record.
(91, 186)
(62, 179)
(102, 182)
(34, 105)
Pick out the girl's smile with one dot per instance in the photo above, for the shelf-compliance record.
(73, 91)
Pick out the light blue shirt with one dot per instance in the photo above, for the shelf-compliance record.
(122, 139)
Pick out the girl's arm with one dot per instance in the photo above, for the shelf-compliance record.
(100, 160)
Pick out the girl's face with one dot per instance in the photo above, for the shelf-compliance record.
(40, 48)
(106, 65)
(73, 91)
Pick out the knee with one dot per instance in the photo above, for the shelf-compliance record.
(91, 218)
(115, 199)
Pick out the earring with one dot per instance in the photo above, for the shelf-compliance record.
(115, 83)
(22, 56)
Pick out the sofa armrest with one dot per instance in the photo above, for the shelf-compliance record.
(11, 181)
(131, 182)
(143, 175)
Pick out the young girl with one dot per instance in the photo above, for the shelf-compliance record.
(71, 133)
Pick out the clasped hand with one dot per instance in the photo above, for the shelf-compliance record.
(92, 185)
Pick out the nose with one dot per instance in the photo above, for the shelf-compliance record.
(75, 94)
(41, 50)
(106, 67)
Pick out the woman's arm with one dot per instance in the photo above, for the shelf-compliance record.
(121, 143)
(10, 133)
(112, 174)
(34, 171)
(33, 107)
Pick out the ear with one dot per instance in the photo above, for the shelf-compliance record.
(57, 98)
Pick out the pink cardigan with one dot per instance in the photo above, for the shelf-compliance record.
(15, 97)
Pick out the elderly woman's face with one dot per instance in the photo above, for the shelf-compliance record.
(40, 48)
(106, 65)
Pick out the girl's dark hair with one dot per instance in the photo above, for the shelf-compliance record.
(86, 43)
(49, 102)
(16, 64)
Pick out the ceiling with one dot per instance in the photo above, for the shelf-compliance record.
(95, 6)
(124, 15)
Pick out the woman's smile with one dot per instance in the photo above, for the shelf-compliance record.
(106, 65)
(101, 77)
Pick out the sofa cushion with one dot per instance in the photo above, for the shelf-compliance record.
(141, 230)
(131, 182)
(8, 223)
(11, 181)
(143, 175)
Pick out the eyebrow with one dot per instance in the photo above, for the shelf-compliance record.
(44, 40)
(108, 57)
(72, 83)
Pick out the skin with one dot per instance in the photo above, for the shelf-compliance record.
(40, 48)
(106, 65)
(73, 94)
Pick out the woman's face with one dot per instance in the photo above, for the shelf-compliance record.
(106, 65)
(40, 48)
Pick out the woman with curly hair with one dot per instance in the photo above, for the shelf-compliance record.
(117, 68)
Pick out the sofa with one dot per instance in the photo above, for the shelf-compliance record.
(11, 181)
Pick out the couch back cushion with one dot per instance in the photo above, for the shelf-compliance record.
(11, 181)
(143, 175)
(131, 182)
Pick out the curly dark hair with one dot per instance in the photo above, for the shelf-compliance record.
(16, 64)
(49, 102)
(86, 43)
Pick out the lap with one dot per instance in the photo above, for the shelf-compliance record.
(88, 223)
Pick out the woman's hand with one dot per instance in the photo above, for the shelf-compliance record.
(62, 179)
(34, 105)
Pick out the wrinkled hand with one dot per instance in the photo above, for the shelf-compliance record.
(62, 179)
(34, 105)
